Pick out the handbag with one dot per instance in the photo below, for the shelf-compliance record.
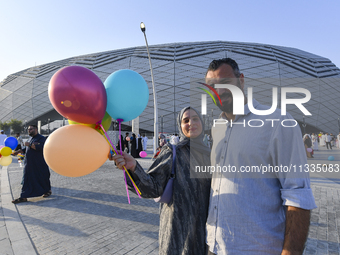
(167, 193)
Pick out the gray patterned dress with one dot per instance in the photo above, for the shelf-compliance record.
(182, 221)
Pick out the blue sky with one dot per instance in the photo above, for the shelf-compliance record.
(38, 32)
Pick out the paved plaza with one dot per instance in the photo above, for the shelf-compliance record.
(91, 214)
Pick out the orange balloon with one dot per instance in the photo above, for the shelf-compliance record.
(75, 150)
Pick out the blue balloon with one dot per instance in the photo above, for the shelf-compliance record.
(331, 158)
(127, 94)
(11, 142)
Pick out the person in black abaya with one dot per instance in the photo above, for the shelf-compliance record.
(36, 178)
(133, 142)
(121, 141)
(126, 143)
(139, 146)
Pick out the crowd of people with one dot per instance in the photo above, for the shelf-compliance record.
(313, 141)
(132, 144)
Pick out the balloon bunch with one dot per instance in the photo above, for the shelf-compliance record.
(5, 151)
(78, 94)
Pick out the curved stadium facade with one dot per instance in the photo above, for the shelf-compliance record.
(24, 95)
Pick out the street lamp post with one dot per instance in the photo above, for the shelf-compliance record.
(207, 124)
(155, 127)
(204, 123)
(212, 117)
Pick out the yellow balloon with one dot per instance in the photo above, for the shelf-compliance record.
(5, 151)
(106, 122)
(5, 160)
(75, 150)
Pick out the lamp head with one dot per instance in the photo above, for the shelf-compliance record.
(142, 27)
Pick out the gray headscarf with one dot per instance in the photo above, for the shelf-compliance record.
(196, 144)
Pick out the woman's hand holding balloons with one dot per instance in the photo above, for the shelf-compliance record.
(124, 160)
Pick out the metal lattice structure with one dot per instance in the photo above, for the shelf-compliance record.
(24, 95)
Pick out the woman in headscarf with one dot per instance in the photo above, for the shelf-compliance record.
(162, 140)
(308, 145)
(182, 221)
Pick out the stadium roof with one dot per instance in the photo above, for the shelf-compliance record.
(24, 96)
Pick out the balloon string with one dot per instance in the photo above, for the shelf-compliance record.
(115, 151)
(127, 191)
(120, 135)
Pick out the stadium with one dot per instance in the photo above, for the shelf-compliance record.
(177, 67)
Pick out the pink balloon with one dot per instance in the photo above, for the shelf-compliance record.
(78, 94)
(309, 149)
(143, 154)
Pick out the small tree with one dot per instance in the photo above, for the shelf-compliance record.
(5, 126)
(16, 125)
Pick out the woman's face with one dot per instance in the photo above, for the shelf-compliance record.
(191, 124)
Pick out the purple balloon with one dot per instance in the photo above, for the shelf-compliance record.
(78, 94)
(143, 154)
(309, 149)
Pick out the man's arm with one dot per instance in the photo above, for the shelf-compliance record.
(17, 152)
(297, 225)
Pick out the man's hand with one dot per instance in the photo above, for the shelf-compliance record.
(32, 146)
(17, 152)
(297, 225)
(124, 160)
